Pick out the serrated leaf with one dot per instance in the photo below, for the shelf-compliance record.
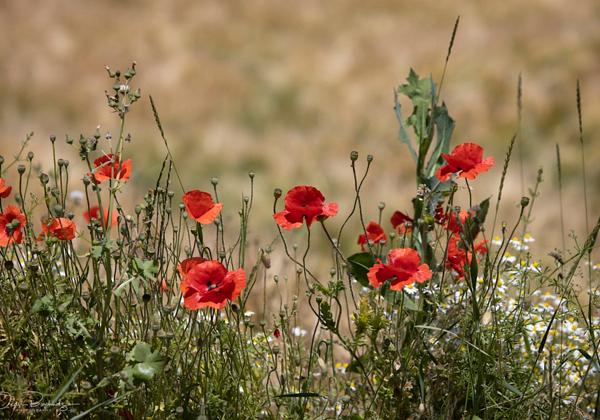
(145, 268)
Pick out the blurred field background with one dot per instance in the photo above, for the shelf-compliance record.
(289, 89)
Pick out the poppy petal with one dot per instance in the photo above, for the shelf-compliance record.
(330, 209)
(210, 216)
(282, 220)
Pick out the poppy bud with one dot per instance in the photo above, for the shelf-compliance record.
(21, 169)
(353, 155)
(52, 138)
(251, 175)
(235, 308)
(58, 210)
(369, 158)
(524, 201)
(30, 156)
(86, 180)
(277, 193)
(44, 178)
(266, 261)
(381, 205)
(214, 181)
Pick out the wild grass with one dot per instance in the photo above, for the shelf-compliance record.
(99, 319)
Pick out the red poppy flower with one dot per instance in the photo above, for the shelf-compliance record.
(375, 234)
(457, 256)
(61, 228)
(186, 265)
(109, 167)
(467, 160)
(455, 222)
(277, 333)
(304, 203)
(4, 189)
(401, 222)
(403, 267)
(94, 214)
(201, 207)
(209, 284)
(11, 225)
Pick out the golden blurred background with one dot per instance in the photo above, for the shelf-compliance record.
(288, 89)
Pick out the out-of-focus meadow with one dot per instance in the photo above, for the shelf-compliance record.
(289, 89)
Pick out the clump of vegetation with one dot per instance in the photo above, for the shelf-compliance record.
(438, 313)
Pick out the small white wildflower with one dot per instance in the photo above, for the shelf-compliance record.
(411, 290)
(298, 332)
(76, 197)
(527, 238)
(341, 367)
(497, 241)
(508, 258)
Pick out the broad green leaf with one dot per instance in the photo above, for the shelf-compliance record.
(147, 363)
(359, 266)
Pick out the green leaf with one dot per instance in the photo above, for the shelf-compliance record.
(146, 362)
(482, 211)
(410, 304)
(444, 125)
(147, 269)
(65, 386)
(402, 133)
(135, 283)
(359, 267)
(43, 305)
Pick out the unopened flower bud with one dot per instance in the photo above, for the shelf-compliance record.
(21, 169)
(277, 193)
(524, 201)
(353, 155)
